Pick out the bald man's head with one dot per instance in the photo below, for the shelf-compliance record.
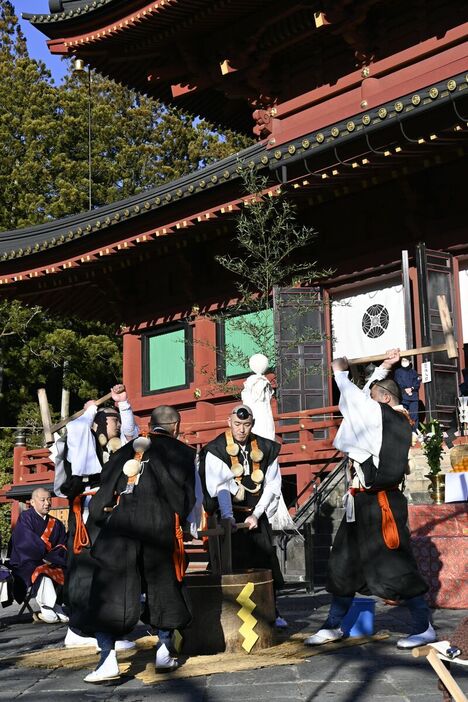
(166, 418)
(41, 501)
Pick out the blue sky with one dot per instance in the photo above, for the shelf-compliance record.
(36, 41)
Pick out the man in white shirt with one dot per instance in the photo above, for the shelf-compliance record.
(242, 478)
(371, 553)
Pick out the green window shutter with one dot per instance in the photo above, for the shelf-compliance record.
(166, 358)
(245, 335)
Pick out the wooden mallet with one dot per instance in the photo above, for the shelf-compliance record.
(450, 345)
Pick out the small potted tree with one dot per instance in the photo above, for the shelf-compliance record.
(432, 446)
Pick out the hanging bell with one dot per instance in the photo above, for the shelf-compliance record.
(256, 455)
(257, 475)
(232, 449)
(131, 467)
(141, 444)
(240, 494)
(237, 470)
(114, 444)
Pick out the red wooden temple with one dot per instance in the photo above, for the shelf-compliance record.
(360, 112)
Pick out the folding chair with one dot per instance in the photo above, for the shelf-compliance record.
(26, 604)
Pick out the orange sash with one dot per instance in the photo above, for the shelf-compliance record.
(55, 573)
(390, 533)
(81, 538)
(45, 536)
(178, 555)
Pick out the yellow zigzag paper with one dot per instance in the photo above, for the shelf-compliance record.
(245, 613)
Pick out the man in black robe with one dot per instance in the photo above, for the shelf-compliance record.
(79, 456)
(38, 556)
(134, 527)
(241, 477)
(371, 553)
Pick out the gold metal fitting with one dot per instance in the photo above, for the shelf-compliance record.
(365, 73)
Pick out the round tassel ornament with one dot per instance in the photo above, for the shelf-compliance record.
(257, 475)
(102, 438)
(232, 449)
(237, 470)
(256, 455)
(114, 444)
(131, 468)
(141, 444)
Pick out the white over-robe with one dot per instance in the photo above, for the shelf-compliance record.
(360, 433)
(221, 483)
(257, 394)
(81, 444)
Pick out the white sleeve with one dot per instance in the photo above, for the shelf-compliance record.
(360, 433)
(271, 491)
(378, 374)
(81, 445)
(129, 429)
(218, 476)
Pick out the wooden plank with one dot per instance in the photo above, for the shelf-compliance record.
(447, 326)
(445, 676)
(45, 415)
(435, 348)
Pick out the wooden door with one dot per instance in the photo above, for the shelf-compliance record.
(435, 277)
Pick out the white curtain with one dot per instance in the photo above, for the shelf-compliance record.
(464, 303)
(369, 323)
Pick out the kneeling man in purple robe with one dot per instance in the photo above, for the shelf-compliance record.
(38, 556)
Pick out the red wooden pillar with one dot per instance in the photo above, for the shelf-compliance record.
(204, 355)
(132, 365)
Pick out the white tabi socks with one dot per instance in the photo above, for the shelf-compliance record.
(46, 598)
(75, 640)
(164, 660)
(107, 670)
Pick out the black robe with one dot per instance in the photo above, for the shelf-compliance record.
(28, 550)
(250, 549)
(132, 546)
(360, 561)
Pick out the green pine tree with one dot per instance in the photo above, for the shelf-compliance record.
(136, 142)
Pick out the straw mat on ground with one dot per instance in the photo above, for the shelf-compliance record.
(139, 662)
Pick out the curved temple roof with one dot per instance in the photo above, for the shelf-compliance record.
(312, 154)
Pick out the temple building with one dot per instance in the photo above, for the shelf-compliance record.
(360, 113)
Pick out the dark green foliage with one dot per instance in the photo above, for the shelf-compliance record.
(136, 142)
